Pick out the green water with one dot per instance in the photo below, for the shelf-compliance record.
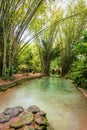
(66, 107)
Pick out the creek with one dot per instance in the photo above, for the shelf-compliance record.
(65, 105)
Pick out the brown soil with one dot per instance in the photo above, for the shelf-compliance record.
(19, 77)
(84, 91)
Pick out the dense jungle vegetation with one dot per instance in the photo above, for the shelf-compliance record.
(47, 36)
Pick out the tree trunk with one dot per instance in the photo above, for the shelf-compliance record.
(1, 56)
(4, 54)
(46, 68)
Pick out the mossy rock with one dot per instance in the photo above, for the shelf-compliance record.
(17, 124)
(4, 118)
(8, 129)
(41, 113)
(31, 119)
(1, 89)
(23, 128)
(4, 88)
(34, 109)
(41, 120)
(31, 128)
(27, 118)
(38, 127)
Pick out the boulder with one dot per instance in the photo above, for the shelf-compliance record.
(20, 108)
(8, 129)
(23, 128)
(41, 120)
(17, 124)
(31, 128)
(14, 111)
(38, 127)
(41, 113)
(34, 109)
(4, 118)
(16, 118)
(27, 118)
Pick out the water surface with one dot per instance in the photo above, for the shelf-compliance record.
(66, 107)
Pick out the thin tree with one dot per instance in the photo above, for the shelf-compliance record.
(13, 27)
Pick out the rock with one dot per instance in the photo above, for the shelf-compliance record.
(4, 118)
(27, 118)
(11, 111)
(8, 111)
(14, 111)
(9, 129)
(20, 108)
(23, 128)
(17, 124)
(37, 127)
(41, 120)
(41, 113)
(34, 109)
(31, 128)
(31, 119)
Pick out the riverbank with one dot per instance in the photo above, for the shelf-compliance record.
(82, 90)
(19, 78)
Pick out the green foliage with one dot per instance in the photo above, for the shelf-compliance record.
(79, 67)
(25, 60)
(15, 16)
(55, 62)
(80, 76)
(29, 60)
(81, 45)
(70, 31)
(26, 57)
(14, 69)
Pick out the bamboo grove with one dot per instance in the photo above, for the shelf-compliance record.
(55, 30)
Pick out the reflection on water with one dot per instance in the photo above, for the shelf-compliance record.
(65, 105)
